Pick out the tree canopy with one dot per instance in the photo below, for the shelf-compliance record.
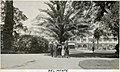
(64, 20)
(11, 17)
(18, 15)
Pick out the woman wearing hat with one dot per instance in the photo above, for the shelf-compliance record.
(63, 49)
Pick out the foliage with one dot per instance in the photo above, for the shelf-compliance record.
(97, 33)
(59, 20)
(8, 26)
(81, 6)
(105, 11)
(30, 44)
(18, 15)
(82, 22)
(11, 17)
(64, 21)
(108, 12)
(111, 19)
(101, 11)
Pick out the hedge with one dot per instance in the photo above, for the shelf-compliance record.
(30, 44)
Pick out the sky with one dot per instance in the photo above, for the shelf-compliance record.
(30, 9)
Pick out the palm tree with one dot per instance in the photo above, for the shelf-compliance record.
(64, 21)
(59, 21)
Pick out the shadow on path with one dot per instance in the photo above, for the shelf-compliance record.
(102, 55)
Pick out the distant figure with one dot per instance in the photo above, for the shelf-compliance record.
(51, 48)
(59, 49)
(66, 50)
(93, 48)
(55, 49)
(117, 49)
(63, 50)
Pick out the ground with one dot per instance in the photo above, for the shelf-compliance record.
(44, 61)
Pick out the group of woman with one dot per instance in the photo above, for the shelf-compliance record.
(59, 50)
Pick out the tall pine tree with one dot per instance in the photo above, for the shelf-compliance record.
(8, 26)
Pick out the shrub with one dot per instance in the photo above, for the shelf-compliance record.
(30, 44)
(84, 45)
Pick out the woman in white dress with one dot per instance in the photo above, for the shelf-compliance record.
(63, 50)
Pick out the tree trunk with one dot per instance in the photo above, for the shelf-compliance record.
(8, 26)
(88, 42)
(61, 34)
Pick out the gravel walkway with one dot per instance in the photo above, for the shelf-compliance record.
(41, 61)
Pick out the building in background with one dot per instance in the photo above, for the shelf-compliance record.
(105, 43)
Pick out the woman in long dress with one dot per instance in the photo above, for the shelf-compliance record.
(51, 48)
(63, 50)
(58, 49)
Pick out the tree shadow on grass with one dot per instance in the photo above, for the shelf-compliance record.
(102, 55)
(99, 64)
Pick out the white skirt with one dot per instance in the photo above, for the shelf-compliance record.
(63, 52)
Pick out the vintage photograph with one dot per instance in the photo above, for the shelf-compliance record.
(54, 34)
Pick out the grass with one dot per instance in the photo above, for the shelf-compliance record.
(99, 64)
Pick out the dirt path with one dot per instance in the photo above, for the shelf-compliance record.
(40, 61)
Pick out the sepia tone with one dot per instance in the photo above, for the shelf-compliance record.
(59, 34)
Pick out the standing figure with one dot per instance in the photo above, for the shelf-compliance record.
(93, 48)
(66, 50)
(117, 49)
(59, 49)
(63, 50)
(51, 48)
(55, 49)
